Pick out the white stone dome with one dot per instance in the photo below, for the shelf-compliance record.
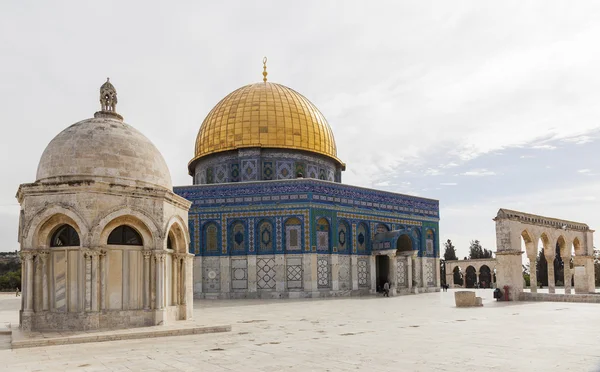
(103, 148)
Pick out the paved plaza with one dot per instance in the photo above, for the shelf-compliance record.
(408, 333)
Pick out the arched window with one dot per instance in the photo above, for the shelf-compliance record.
(169, 242)
(322, 234)
(237, 237)
(343, 235)
(362, 238)
(429, 243)
(293, 237)
(124, 235)
(65, 236)
(265, 236)
(211, 242)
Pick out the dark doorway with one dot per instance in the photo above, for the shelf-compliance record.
(470, 277)
(382, 268)
(485, 277)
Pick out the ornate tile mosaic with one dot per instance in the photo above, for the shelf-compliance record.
(294, 272)
(249, 170)
(345, 279)
(221, 174)
(268, 170)
(323, 272)
(211, 274)
(285, 170)
(235, 172)
(293, 237)
(364, 276)
(313, 171)
(265, 273)
(429, 272)
(239, 273)
(401, 272)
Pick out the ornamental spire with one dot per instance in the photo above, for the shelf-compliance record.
(108, 101)
(265, 69)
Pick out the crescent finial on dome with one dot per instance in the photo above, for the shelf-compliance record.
(265, 69)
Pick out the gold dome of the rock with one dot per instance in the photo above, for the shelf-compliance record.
(266, 115)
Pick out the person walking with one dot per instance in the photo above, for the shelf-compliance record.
(17, 294)
(386, 289)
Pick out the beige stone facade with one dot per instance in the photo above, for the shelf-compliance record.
(103, 237)
(573, 239)
(477, 265)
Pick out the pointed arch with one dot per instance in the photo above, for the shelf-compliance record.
(265, 236)
(322, 235)
(343, 237)
(39, 230)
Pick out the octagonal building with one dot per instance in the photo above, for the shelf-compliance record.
(270, 217)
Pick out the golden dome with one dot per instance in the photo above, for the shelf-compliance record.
(266, 115)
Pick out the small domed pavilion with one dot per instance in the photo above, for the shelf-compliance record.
(103, 237)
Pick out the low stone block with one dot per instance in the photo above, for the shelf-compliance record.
(465, 299)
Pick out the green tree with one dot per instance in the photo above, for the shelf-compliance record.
(477, 251)
(542, 268)
(449, 251)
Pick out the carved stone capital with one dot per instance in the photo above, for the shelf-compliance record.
(147, 254)
(160, 256)
(26, 255)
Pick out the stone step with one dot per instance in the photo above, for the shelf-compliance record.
(21, 340)
(5, 342)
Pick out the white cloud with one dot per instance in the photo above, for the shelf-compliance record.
(448, 183)
(543, 147)
(479, 173)
(583, 171)
(433, 172)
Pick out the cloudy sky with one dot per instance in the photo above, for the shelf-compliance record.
(481, 105)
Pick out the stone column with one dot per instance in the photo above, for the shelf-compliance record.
(551, 280)
(373, 272)
(87, 267)
(27, 258)
(252, 273)
(532, 274)
(335, 272)
(567, 274)
(182, 260)
(45, 283)
(510, 272)
(279, 273)
(392, 271)
(102, 261)
(409, 270)
(95, 281)
(147, 255)
(354, 271)
(477, 279)
(174, 279)
(159, 277)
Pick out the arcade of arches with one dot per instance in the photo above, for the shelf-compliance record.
(572, 241)
(474, 273)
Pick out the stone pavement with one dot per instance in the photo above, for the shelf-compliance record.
(409, 333)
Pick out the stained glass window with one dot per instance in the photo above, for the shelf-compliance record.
(265, 236)
(343, 234)
(210, 237)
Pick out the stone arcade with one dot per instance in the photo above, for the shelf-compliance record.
(103, 237)
(570, 239)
